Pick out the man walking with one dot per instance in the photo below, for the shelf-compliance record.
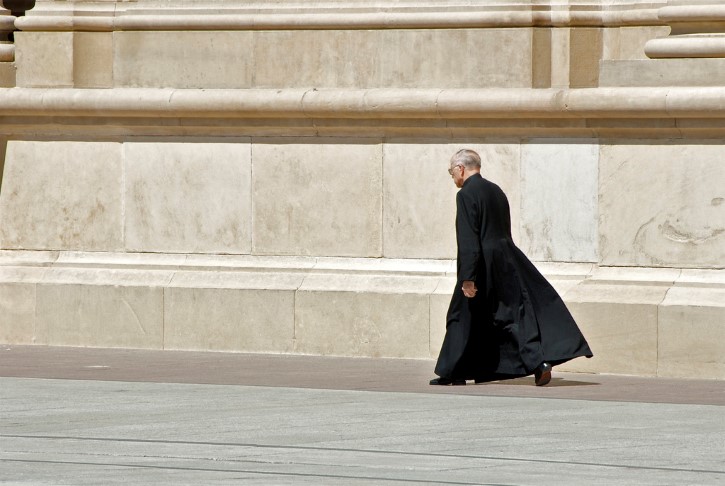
(505, 320)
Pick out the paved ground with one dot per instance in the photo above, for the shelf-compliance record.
(87, 416)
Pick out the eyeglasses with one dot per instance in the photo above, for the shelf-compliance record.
(450, 171)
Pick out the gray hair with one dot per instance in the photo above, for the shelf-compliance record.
(467, 157)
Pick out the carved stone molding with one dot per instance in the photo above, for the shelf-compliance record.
(367, 103)
(233, 15)
(697, 31)
(9, 11)
(7, 26)
(595, 112)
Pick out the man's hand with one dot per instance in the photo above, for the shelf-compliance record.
(469, 289)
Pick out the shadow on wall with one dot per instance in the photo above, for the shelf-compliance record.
(18, 7)
(3, 146)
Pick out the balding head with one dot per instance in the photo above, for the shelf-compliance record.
(468, 158)
(464, 164)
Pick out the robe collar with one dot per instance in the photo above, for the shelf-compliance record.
(469, 179)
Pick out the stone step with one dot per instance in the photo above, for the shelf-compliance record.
(646, 322)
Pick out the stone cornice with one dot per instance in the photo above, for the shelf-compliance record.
(120, 16)
(707, 102)
(372, 112)
(689, 19)
(696, 31)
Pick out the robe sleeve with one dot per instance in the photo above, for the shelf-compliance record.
(468, 231)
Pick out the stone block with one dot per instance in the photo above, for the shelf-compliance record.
(560, 57)
(627, 43)
(405, 58)
(692, 333)
(357, 58)
(347, 315)
(585, 45)
(663, 73)
(418, 223)
(320, 198)
(633, 39)
(7, 75)
(541, 58)
(323, 59)
(17, 314)
(61, 196)
(231, 311)
(93, 60)
(184, 59)
(227, 319)
(441, 58)
(188, 197)
(620, 323)
(559, 201)
(661, 204)
(110, 316)
(44, 59)
(421, 223)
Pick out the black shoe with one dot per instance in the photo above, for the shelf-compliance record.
(542, 374)
(447, 381)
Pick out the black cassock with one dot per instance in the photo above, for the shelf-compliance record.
(516, 321)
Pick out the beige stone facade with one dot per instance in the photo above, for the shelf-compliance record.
(271, 176)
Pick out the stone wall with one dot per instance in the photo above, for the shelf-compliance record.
(271, 177)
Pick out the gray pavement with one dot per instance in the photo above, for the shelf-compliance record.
(84, 416)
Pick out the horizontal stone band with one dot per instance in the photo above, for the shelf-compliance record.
(687, 46)
(37, 266)
(692, 13)
(433, 104)
(339, 19)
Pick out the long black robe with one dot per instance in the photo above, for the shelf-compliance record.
(516, 321)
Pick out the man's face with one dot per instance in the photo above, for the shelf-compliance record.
(456, 171)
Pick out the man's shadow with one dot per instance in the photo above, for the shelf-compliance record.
(526, 381)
